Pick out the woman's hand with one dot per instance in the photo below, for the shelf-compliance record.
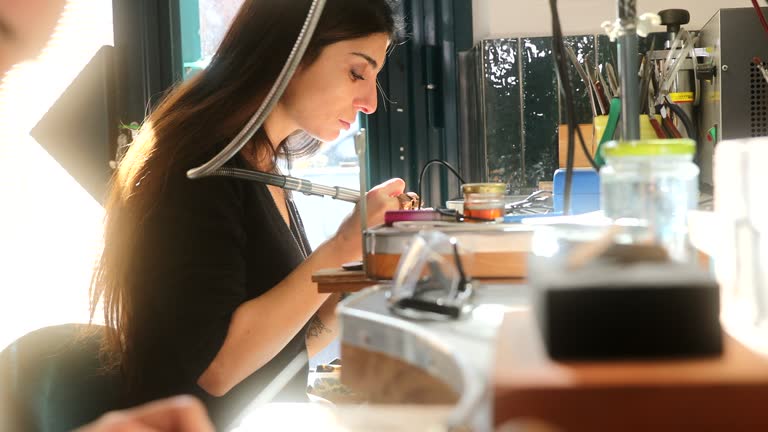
(379, 200)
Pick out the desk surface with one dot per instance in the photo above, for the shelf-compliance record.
(340, 280)
(496, 362)
(348, 281)
(721, 392)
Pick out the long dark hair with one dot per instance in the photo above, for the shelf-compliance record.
(195, 121)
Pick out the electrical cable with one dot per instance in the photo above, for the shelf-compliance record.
(424, 170)
(760, 16)
(687, 123)
(558, 49)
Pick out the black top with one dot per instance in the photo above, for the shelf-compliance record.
(210, 245)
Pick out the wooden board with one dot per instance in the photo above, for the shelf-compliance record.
(340, 280)
(723, 393)
(579, 160)
(486, 265)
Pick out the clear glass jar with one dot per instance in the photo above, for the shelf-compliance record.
(484, 202)
(656, 181)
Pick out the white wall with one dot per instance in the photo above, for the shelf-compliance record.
(499, 18)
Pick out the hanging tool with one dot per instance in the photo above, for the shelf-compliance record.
(583, 75)
(613, 81)
(657, 127)
(602, 84)
(674, 77)
(645, 82)
(668, 125)
(649, 105)
(601, 103)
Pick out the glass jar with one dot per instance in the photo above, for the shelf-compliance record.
(484, 202)
(656, 181)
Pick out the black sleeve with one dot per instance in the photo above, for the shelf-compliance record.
(195, 247)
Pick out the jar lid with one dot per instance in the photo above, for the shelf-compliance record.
(651, 147)
(490, 188)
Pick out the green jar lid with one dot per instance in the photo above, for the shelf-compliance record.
(484, 188)
(652, 147)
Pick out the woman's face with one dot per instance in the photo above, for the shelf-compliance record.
(25, 26)
(324, 98)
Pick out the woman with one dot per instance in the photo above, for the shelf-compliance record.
(206, 284)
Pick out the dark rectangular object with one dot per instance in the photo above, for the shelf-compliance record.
(625, 312)
(735, 101)
(80, 130)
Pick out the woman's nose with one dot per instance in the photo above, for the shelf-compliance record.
(366, 102)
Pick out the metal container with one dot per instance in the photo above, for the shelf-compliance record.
(484, 202)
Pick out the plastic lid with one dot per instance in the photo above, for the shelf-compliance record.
(652, 147)
(485, 188)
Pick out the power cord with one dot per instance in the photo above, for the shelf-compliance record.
(424, 170)
(558, 49)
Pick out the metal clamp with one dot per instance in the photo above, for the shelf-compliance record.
(425, 306)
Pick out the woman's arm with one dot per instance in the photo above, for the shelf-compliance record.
(263, 326)
(324, 326)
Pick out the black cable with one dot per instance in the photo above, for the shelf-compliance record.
(687, 123)
(424, 170)
(558, 49)
(590, 159)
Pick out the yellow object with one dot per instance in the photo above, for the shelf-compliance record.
(646, 130)
(598, 123)
(681, 97)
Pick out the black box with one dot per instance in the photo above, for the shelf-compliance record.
(648, 310)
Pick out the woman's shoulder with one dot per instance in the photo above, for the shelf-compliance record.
(209, 187)
(206, 197)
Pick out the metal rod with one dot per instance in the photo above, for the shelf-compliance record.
(291, 183)
(361, 148)
(628, 67)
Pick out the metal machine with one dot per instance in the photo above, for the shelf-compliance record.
(734, 102)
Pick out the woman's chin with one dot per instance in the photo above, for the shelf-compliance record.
(329, 136)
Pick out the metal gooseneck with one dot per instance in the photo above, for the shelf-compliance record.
(294, 58)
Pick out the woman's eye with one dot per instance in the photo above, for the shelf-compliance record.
(356, 76)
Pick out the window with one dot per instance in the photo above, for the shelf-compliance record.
(203, 26)
(50, 228)
(336, 164)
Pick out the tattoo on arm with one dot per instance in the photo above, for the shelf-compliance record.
(316, 327)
